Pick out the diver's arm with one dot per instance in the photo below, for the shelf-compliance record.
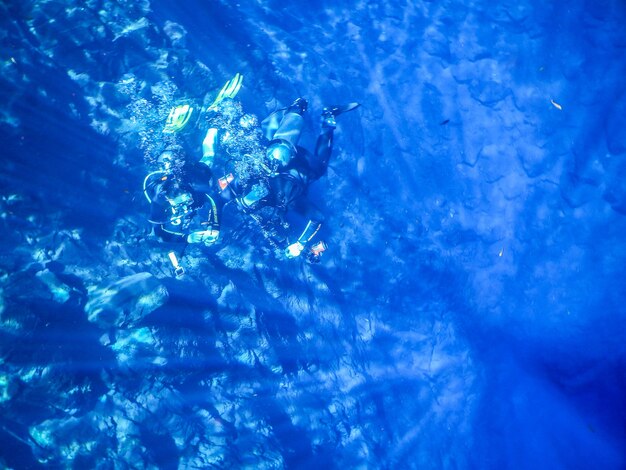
(309, 232)
(159, 213)
(209, 147)
(210, 225)
(153, 191)
(228, 91)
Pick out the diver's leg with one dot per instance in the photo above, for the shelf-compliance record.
(323, 151)
(285, 139)
(324, 144)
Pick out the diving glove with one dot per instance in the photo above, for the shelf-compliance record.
(229, 90)
(208, 237)
(294, 250)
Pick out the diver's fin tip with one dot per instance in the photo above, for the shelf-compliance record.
(337, 109)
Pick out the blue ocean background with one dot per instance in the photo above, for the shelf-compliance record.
(469, 313)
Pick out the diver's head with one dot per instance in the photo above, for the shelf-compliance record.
(248, 121)
(280, 152)
(166, 160)
(171, 159)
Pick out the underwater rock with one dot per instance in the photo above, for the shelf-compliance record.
(8, 387)
(176, 33)
(615, 121)
(138, 348)
(436, 43)
(615, 192)
(59, 290)
(534, 159)
(577, 190)
(127, 301)
(488, 92)
(495, 161)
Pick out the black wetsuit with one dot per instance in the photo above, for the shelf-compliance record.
(201, 215)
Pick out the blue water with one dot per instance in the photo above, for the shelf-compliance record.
(469, 312)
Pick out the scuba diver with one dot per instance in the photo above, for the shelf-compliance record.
(179, 193)
(187, 202)
(178, 211)
(291, 170)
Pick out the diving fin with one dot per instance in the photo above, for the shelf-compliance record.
(331, 112)
(337, 109)
(229, 90)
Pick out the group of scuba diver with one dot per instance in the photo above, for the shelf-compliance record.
(265, 179)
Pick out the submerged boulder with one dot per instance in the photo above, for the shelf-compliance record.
(125, 302)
